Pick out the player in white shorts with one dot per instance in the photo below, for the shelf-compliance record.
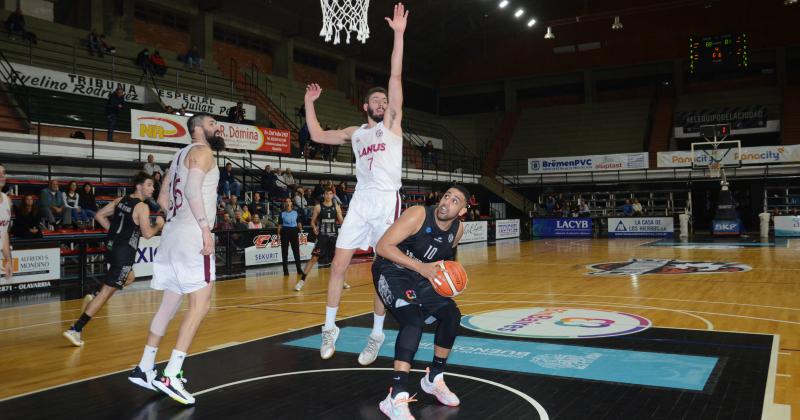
(184, 264)
(378, 148)
(5, 224)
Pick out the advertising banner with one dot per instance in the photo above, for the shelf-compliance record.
(749, 156)
(620, 227)
(787, 225)
(266, 249)
(198, 103)
(726, 227)
(475, 232)
(31, 269)
(168, 128)
(508, 228)
(615, 162)
(563, 228)
(75, 84)
(143, 264)
(743, 120)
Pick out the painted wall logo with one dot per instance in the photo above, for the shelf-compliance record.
(555, 323)
(662, 266)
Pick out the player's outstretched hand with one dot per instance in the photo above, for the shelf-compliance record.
(312, 92)
(208, 242)
(400, 19)
(430, 270)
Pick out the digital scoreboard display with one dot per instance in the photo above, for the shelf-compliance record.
(711, 54)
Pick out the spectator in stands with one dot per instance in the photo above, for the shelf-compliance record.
(429, 199)
(246, 214)
(143, 61)
(233, 206)
(473, 208)
(15, 25)
(182, 112)
(71, 202)
(87, 203)
(94, 43)
(192, 59)
(258, 205)
(115, 103)
(288, 178)
(304, 138)
(105, 47)
(637, 208)
(584, 211)
(301, 204)
(26, 220)
(225, 223)
(236, 114)
(269, 181)
(327, 152)
(255, 222)
(158, 64)
(51, 205)
(427, 155)
(228, 183)
(319, 191)
(627, 208)
(341, 192)
(77, 134)
(238, 222)
(151, 167)
(169, 110)
(550, 204)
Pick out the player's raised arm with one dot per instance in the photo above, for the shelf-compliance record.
(313, 91)
(394, 116)
(408, 224)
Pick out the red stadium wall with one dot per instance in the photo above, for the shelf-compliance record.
(161, 37)
(306, 74)
(768, 24)
(245, 57)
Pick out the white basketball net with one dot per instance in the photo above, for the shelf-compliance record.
(344, 15)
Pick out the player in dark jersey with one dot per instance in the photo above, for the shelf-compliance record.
(328, 215)
(126, 219)
(409, 255)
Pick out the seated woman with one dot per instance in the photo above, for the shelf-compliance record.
(26, 220)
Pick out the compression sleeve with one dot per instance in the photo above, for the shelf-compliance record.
(194, 193)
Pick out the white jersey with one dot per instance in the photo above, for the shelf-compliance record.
(179, 212)
(379, 158)
(5, 216)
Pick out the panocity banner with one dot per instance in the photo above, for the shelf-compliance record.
(168, 128)
(749, 156)
(199, 103)
(75, 84)
(743, 120)
(31, 269)
(588, 163)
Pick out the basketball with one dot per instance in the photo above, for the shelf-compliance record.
(451, 280)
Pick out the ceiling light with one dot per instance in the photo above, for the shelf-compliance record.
(617, 24)
(503, 3)
(549, 34)
(531, 22)
(518, 13)
(789, 2)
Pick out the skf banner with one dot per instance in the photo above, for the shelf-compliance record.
(168, 128)
(33, 267)
(743, 120)
(589, 163)
(749, 156)
(75, 84)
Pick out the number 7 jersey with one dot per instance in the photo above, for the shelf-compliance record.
(379, 158)
(179, 211)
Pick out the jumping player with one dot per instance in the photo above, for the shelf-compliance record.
(409, 255)
(378, 148)
(328, 215)
(184, 264)
(5, 223)
(129, 219)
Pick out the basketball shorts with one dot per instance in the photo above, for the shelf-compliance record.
(179, 266)
(324, 249)
(369, 215)
(398, 287)
(120, 261)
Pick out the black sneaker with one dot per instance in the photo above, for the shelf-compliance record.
(143, 379)
(173, 386)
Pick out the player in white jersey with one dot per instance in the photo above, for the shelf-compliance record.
(5, 224)
(184, 264)
(378, 148)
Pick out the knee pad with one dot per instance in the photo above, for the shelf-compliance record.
(411, 321)
(446, 332)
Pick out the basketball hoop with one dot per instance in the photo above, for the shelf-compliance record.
(714, 170)
(344, 15)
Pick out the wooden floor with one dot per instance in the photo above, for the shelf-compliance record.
(511, 274)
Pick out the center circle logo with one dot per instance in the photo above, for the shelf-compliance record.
(556, 323)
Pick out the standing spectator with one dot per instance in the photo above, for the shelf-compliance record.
(87, 203)
(269, 181)
(114, 104)
(225, 223)
(26, 220)
(158, 64)
(327, 152)
(637, 208)
(192, 59)
(301, 204)
(627, 208)
(94, 44)
(51, 205)
(255, 222)
(151, 167)
(236, 114)
(143, 61)
(15, 25)
(228, 183)
(288, 230)
(71, 202)
(427, 155)
(233, 206)
(304, 138)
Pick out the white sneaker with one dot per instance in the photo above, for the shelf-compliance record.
(173, 386)
(299, 286)
(397, 407)
(143, 378)
(370, 353)
(74, 337)
(329, 337)
(345, 285)
(438, 389)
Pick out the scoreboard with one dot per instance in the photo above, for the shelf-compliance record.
(711, 54)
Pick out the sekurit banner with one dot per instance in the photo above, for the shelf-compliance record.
(589, 163)
(168, 128)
